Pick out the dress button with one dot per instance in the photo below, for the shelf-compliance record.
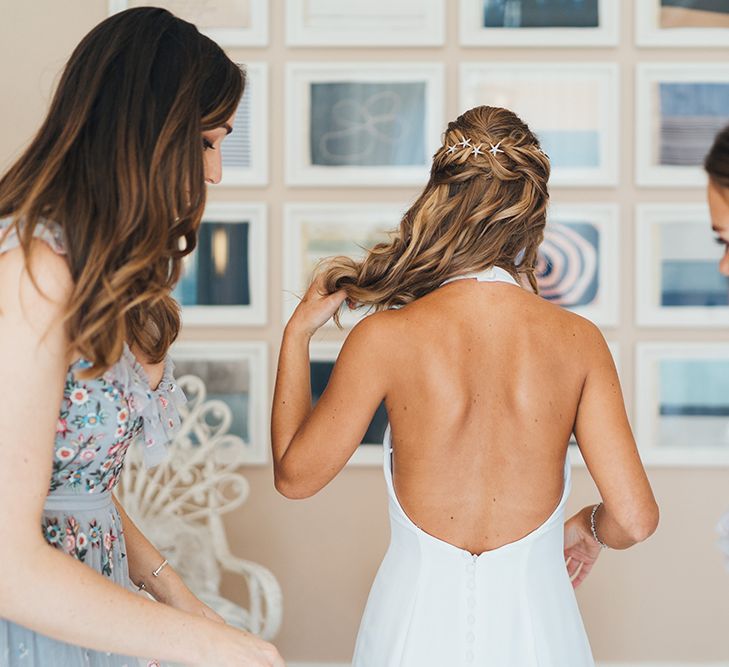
(469, 656)
(471, 619)
(471, 601)
(471, 567)
(471, 584)
(470, 637)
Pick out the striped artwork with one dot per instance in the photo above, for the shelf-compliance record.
(568, 264)
(236, 149)
(691, 115)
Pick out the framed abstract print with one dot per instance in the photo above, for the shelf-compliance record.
(677, 268)
(244, 153)
(530, 23)
(682, 405)
(680, 107)
(313, 232)
(363, 123)
(323, 356)
(581, 138)
(682, 23)
(578, 260)
(224, 279)
(365, 23)
(230, 23)
(236, 375)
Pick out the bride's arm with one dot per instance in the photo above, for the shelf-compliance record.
(629, 513)
(311, 445)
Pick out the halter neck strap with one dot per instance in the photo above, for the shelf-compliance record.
(492, 275)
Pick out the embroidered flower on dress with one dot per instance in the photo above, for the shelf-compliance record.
(65, 453)
(79, 396)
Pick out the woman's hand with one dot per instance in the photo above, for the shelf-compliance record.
(317, 307)
(230, 647)
(580, 548)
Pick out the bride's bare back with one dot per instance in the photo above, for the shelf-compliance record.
(486, 384)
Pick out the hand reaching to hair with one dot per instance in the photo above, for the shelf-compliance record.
(317, 307)
(580, 549)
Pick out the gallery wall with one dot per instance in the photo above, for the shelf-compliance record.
(628, 206)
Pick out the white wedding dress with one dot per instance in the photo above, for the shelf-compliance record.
(433, 604)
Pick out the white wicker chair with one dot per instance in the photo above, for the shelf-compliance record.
(179, 504)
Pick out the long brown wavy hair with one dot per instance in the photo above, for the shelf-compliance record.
(484, 205)
(717, 160)
(118, 163)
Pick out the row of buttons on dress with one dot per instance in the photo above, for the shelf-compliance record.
(471, 603)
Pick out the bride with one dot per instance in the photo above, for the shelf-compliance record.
(484, 383)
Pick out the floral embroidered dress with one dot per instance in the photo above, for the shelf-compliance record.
(98, 420)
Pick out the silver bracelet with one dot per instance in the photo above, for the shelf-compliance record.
(160, 568)
(155, 573)
(594, 530)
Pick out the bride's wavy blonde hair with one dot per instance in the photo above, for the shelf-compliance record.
(484, 205)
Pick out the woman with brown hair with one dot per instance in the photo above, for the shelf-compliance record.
(95, 218)
(484, 383)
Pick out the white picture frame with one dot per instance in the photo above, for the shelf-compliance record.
(368, 453)
(650, 34)
(693, 252)
(473, 33)
(681, 418)
(204, 15)
(323, 160)
(305, 238)
(253, 355)
(567, 243)
(582, 139)
(245, 152)
(252, 314)
(365, 23)
(680, 145)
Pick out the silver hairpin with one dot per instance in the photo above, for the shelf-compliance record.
(543, 153)
(494, 150)
(466, 142)
(477, 150)
(452, 149)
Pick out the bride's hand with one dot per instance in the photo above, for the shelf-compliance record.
(580, 549)
(317, 307)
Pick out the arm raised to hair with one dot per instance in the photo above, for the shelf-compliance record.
(312, 444)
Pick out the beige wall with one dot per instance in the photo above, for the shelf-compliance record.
(667, 600)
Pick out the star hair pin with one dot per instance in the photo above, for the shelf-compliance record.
(452, 149)
(495, 150)
(477, 150)
(466, 143)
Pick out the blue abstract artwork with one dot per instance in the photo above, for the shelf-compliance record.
(568, 268)
(694, 387)
(691, 114)
(541, 13)
(689, 268)
(227, 381)
(367, 124)
(217, 273)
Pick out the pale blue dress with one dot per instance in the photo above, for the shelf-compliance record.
(98, 420)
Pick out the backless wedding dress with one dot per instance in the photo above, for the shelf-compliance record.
(433, 604)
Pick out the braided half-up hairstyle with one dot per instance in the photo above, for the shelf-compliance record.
(484, 205)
